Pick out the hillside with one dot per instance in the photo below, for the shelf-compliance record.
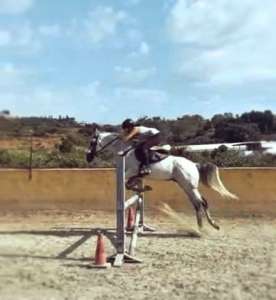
(61, 142)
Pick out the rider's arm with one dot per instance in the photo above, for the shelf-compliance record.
(133, 133)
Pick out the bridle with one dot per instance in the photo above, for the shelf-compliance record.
(95, 142)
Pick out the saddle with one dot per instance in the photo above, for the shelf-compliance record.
(155, 155)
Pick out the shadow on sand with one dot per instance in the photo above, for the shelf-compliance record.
(85, 234)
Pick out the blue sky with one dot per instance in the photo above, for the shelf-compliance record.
(103, 60)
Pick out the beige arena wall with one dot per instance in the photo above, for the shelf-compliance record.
(77, 189)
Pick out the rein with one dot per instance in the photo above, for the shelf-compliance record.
(107, 144)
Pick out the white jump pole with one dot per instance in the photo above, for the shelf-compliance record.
(121, 204)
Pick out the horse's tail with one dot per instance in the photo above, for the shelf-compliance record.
(209, 176)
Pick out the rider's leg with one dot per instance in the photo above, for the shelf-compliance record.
(143, 152)
(151, 141)
(142, 156)
(145, 169)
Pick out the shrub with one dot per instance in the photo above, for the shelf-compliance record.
(14, 158)
(5, 159)
(66, 145)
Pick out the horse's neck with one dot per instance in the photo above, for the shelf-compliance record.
(121, 145)
(117, 145)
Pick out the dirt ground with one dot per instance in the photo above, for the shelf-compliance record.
(39, 259)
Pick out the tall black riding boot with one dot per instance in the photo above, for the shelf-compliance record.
(145, 168)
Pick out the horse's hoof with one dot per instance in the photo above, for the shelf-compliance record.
(216, 226)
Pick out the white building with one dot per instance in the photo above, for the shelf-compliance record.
(246, 148)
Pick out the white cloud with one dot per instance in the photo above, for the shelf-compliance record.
(225, 42)
(141, 96)
(103, 22)
(26, 38)
(134, 35)
(108, 26)
(20, 91)
(12, 76)
(15, 7)
(167, 4)
(24, 95)
(50, 30)
(91, 90)
(139, 102)
(143, 50)
(5, 38)
(23, 39)
(46, 97)
(127, 75)
(8, 75)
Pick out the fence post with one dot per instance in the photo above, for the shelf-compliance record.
(120, 204)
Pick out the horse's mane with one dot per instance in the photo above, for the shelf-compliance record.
(109, 133)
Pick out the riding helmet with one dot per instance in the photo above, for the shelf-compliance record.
(128, 123)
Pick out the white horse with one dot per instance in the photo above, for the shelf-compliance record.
(179, 169)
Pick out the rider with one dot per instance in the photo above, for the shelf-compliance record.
(147, 138)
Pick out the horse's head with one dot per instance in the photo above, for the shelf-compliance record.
(99, 142)
(92, 150)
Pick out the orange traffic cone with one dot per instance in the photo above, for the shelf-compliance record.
(100, 256)
(130, 219)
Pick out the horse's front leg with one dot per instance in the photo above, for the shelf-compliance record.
(133, 183)
(131, 179)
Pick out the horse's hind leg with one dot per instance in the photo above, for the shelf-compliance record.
(200, 205)
(208, 215)
(197, 203)
(192, 192)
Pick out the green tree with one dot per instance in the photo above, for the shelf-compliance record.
(235, 132)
